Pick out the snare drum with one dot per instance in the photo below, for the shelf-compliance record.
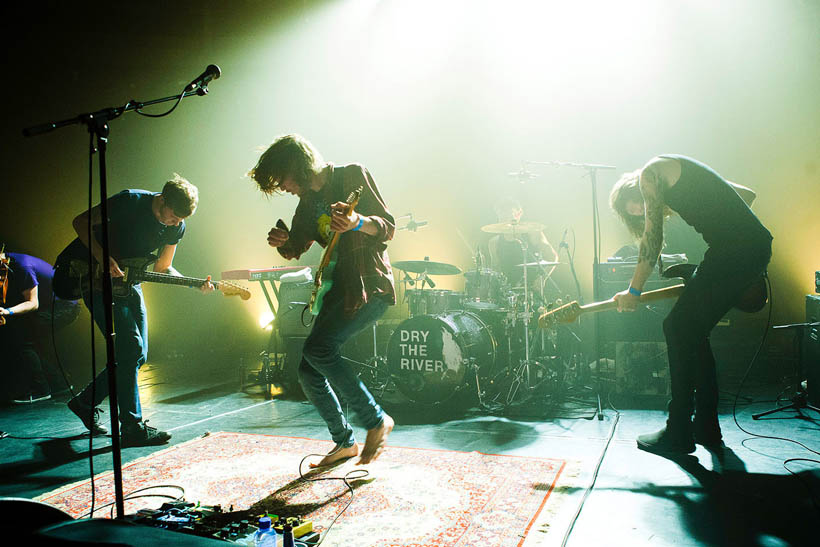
(430, 356)
(428, 301)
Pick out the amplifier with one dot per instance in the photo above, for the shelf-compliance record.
(641, 368)
(810, 351)
(646, 323)
(293, 297)
(618, 270)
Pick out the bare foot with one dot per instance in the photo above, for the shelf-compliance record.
(376, 440)
(337, 454)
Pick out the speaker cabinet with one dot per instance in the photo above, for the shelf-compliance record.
(644, 324)
(293, 297)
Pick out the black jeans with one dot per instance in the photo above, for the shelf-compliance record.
(716, 286)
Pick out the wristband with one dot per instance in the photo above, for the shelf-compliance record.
(634, 291)
(11, 311)
(359, 225)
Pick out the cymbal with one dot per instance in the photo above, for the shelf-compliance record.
(513, 228)
(540, 263)
(427, 266)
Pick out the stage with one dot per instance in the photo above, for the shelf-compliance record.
(744, 497)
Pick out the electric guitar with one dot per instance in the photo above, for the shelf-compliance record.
(752, 300)
(323, 280)
(72, 281)
(4, 280)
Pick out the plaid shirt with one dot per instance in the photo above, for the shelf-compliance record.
(362, 267)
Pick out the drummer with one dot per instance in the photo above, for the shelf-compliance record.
(505, 249)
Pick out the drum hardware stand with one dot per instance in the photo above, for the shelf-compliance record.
(412, 224)
(375, 367)
(592, 170)
(479, 392)
(522, 372)
(799, 400)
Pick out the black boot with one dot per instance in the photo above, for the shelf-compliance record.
(707, 430)
(674, 439)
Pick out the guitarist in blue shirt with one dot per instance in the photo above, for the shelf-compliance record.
(362, 280)
(739, 251)
(140, 223)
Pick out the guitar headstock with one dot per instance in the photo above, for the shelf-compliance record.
(353, 198)
(233, 289)
(567, 313)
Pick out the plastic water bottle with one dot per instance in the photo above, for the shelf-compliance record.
(265, 536)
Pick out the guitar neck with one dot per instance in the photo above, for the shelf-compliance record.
(649, 296)
(329, 251)
(353, 200)
(157, 277)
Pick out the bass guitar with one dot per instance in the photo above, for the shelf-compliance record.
(752, 300)
(323, 280)
(72, 281)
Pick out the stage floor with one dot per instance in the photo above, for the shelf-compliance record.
(745, 497)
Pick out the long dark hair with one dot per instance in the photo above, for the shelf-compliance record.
(628, 189)
(289, 156)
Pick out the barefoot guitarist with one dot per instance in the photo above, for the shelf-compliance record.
(739, 251)
(362, 280)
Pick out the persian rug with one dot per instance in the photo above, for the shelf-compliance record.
(412, 497)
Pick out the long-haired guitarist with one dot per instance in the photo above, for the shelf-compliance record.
(739, 251)
(140, 222)
(362, 280)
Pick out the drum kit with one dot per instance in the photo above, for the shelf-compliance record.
(477, 346)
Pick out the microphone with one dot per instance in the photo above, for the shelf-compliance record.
(522, 175)
(201, 82)
(413, 225)
(429, 281)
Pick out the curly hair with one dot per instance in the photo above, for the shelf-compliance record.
(181, 196)
(289, 156)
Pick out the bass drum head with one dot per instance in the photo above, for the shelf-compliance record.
(429, 356)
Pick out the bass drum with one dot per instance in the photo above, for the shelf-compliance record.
(430, 356)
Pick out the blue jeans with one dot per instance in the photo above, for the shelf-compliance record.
(322, 371)
(130, 349)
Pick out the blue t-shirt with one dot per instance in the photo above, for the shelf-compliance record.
(133, 230)
(27, 272)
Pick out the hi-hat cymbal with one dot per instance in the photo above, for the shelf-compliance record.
(544, 263)
(513, 228)
(427, 266)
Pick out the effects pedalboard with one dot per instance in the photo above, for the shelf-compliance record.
(236, 527)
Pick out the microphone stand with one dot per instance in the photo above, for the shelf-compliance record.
(97, 125)
(800, 399)
(592, 170)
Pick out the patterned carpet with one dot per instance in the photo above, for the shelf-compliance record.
(413, 497)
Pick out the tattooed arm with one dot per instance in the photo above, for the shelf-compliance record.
(652, 187)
